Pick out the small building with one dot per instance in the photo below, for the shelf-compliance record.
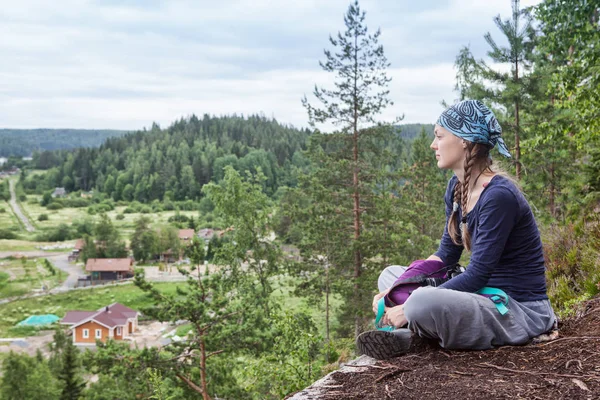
(74, 256)
(167, 256)
(206, 234)
(109, 269)
(59, 192)
(186, 234)
(114, 321)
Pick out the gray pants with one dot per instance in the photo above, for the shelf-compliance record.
(460, 320)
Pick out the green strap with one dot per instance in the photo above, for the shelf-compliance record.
(498, 296)
(380, 312)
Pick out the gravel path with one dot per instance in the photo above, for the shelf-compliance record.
(17, 209)
(62, 261)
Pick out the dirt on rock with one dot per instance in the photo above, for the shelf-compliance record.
(566, 368)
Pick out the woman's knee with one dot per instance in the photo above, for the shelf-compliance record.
(423, 303)
(388, 276)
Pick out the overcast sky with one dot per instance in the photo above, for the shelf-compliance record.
(124, 64)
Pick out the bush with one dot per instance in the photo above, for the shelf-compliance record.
(76, 203)
(22, 197)
(83, 227)
(129, 210)
(178, 218)
(2, 210)
(92, 210)
(104, 207)
(43, 217)
(7, 234)
(60, 234)
(54, 206)
(120, 217)
(168, 205)
(187, 205)
(145, 210)
(573, 271)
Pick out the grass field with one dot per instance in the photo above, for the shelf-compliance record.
(21, 276)
(8, 219)
(71, 215)
(25, 245)
(59, 304)
(131, 296)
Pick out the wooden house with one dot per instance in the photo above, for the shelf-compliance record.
(109, 269)
(114, 321)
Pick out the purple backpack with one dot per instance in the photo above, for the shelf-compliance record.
(420, 273)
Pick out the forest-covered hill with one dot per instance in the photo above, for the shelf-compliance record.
(23, 142)
(177, 161)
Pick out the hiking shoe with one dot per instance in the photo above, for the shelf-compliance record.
(382, 345)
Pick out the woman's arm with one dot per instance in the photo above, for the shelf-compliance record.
(497, 217)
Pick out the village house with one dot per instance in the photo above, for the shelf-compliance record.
(114, 321)
(186, 234)
(109, 269)
(206, 234)
(59, 192)
(74, 256)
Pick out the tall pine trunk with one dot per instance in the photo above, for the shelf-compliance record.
(355, 180)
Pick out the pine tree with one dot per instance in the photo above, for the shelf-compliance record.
(346, 158)
(476, 79)
(228, 306)
(72, 382)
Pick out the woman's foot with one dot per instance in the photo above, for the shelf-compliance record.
(382, 345)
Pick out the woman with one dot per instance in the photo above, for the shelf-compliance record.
(487, 214)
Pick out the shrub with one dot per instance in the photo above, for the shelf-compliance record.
(2, 210)
(145, 210)
(104, 207)
(22, 197)
(178, 218)
(573, 264)
(92, 210)
(60, 234)
(43, 217)
(76, 203)
(54, 206)
(7, 234)
(120, 217)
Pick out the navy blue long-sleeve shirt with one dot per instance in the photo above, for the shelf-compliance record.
(505, 243)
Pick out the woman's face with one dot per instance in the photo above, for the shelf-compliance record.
(449, 149)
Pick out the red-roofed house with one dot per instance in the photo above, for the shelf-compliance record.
(186, 234)
(115, 321)
(109, 269)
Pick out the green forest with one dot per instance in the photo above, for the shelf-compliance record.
(351, 201)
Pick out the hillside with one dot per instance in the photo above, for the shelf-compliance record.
(24, 142)
(177, 161)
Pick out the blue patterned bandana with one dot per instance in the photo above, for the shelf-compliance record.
(471, 120)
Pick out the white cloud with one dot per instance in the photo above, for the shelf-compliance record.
(122, 65)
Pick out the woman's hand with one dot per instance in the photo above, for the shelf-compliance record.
(395, 316)
(377, 298)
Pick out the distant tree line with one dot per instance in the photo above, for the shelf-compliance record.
(25, 142)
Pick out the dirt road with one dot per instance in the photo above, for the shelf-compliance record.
(17, 209)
